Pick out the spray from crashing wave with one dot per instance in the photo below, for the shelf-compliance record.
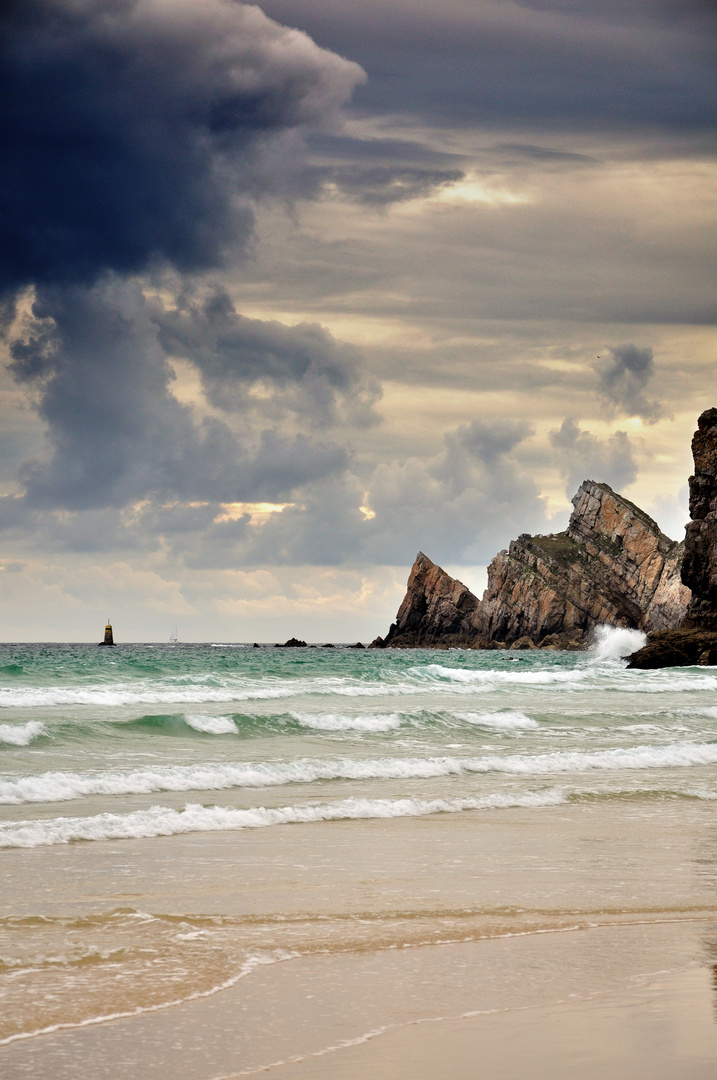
(615, 642)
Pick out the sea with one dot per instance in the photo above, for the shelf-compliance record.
(294, 849)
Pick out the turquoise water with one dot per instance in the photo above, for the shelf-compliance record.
(258, 737)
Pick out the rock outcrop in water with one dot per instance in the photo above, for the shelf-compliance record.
(695, 640)
(437, 611)
(612, 565)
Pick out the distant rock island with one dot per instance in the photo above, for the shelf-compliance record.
(612, 565)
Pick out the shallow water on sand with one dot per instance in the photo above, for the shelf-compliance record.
(177, 822)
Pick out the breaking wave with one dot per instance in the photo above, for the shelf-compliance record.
(163, 821)
(506, 721)
(490, 675)
(21, 734)
(212, 725)
(339, 722)
(216, 776)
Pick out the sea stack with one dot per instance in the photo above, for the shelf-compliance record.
(612, 565)
(109, 640)
(694, 641)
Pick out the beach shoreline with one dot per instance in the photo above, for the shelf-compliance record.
(220, 863)
(365, 935)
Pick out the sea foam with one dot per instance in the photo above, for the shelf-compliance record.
(21, 734)
(537, 677)
(507, 721)
(341, 722)
(164, 821)
(212, 725)
(216, 776)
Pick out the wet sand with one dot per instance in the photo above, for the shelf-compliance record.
(590, 1003)
(569, 943)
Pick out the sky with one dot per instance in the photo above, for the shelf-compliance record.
(290, 292)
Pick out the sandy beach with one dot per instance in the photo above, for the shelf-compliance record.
(565, 942)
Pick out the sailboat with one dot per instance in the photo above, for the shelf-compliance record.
(173, 636)
(109, 640)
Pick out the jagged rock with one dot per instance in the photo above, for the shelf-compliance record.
(437, 610)
(378, 643)
(677, 648)
(612, 565)
(292, 643)
(695, 640)
(358, 645)
(699, 568)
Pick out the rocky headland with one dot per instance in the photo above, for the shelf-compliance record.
(612, 565)
(694, 639)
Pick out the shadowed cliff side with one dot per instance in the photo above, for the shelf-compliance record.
(612, 565)
(437, 610)
(695, 640)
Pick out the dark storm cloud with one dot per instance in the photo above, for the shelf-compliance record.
(551, 65)
(116, 433)
(582, 456)
(135, 133)
(302, 369)
(623, 376)
(460, 506)
(130, 129)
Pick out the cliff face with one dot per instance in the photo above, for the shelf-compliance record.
(699, 568)
(436, 610)
(695, 640)
(612, 565)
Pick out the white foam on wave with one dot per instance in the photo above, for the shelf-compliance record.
(21, 734)
(339, 722)
(217, 776)
(212, 725)
(137, 694)
(195, 690)
(431, 679)
(506, 720)
(164, 821)
(614, 642)
(478, 677)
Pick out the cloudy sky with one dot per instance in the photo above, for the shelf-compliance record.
(290, 291)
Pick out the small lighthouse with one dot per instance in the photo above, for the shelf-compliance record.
(109, 640)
